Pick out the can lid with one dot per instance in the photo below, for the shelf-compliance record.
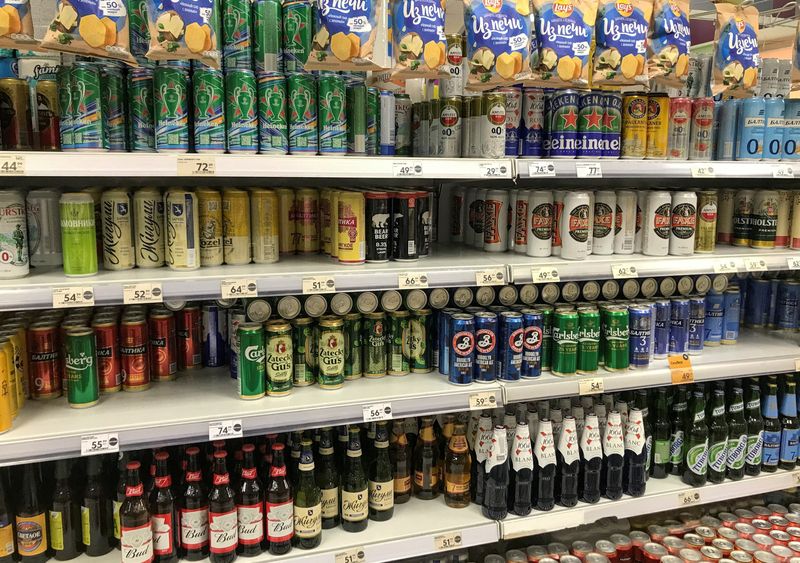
(341, 303)
(438, 298)
(685, 285)
(610, 289)
(667, 287)
(484, 296)
(590, 290)
(507, 295)
(259, 310)
(462, 297)
(174, 304)
(391, 300)
(367, 302)
(630, 288)
(289, 307)
(315, 305)
(550, 293)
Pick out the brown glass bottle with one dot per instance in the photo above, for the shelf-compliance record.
(280, 506)
(426, 462)
(136, 536)
(31, 519)
(457, 469)
(250, 506)
(355, 490)
(7, 526)
(119, 494)
(400, 456)
(194, 509)
(327, 476)
(222, 523)
(164, 515)
(64, 518)
(97, 517)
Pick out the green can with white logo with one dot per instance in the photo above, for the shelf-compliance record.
(373, 121)
(547, 334)
(267, 49)
(374, 340)
(298, 25)
(301, 98)
(565, 342)
(332, 119)
(399, 343)
(279, 357)
(588, 340)
(421, 349)
(353, 346)
(273, 129)
(241, 101)
(252, 366)
(83, 385)
(305, 351)
(615, 338)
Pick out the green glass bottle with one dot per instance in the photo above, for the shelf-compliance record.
(381, 479)
(662, 430)
(755, 429)
(737, 433)
(696, 435)
(355, 490)
(307, 502)
(718, 436)
(327, 476)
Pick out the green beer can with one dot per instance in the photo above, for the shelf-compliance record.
(280, 358)
(356, 111)
(267, 50)
(141, 115)
(301, 98)
(297, 28)
(252, 369)
(421, 348)
(237, 43)
(547, 334)
(332, 119)
(374, 339)
(112, 88)
(171, 96)
(565, 342)
(89, 130)
(373, 121)
(83, 385)
(208, 89)
(66, 119)
(399, 343)
(330, 352)
(353, 346)
(304, 350)
(241, 101)
(78, 234)
(273, 130)
(588, 340)
(615, 337)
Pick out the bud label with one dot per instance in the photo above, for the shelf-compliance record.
(223, 531)
(194, 527)
(251, 523)
(280, 521)
(136, 544)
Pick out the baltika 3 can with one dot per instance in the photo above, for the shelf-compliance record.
(532, 354)
(590, 125)
(511, 344)
(486, 348)
(461, 349)
(750, 133)
(640, 333)
(697, 318)
(679, 325)
(562, 138)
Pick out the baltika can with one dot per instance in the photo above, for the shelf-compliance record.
(301, 96)
(562, 139)
(134, 359)
(640, 336)
(252, 378)
(679, 325)
(764, 219)
(750, 132)
(657, 126)
(590, 124)
(189, 337)
(565, 334)
(273, 128)
(588, 340)
(279, 357)
(706, 232)
(118, 226)
(791, 130)
(183, 230)
(774, 109)
(44, 366)
(727, 114)
(215, 331)
(306, 213)
(680, 120)
(450, 126)
(697, 318)
(461, 349)
(163, 346)
(402, 121)
(83, 387)
(241, 101)
(236, 226)
(350, 228)
(532, 341)
(683, 223)
(209, 203)
(730, 327)
(486, 347)
(712, 324)
(532, 129)
(208, 97)
(612, 124)
(149, 239)
(44, 232)
(495, 221)
(332, 120)
(701, 137)
(661, 327)
(171, 95)
(498, 110)
(510, 345)
(634, 126)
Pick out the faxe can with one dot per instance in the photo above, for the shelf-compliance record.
(625, 222)
(44, 366)
(712, 325)
(133, 354)
(519, 216)
(657, 223)
(486, 334)
(575, 225)
(461, 349)
(278, 357)
(683, 224)
(661, 328)
(83, 388)
(171, 97)
(612, 124)
(273, 128)
(252, 378)
(215, 331)
(495, 221)
(604, 224)
(588, 340)
(566, 335)
(510, 345)
(640, 334)
(208, 97)
(697, 318)
(374, 335)
(657, 126)
(189, 338)
(634, 126)
(701, 140)
(680, 122)
(615, 337)
(679, 325)
(540, 223)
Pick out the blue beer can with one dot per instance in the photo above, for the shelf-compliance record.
(532, 354)
(725, 147)
(730, 326)
(590, 124)
(757, 303)
(443, 336)
(215, 329)
(485, 347)
(563, 130)
(612, 124)
(750, 133)
(715, 311)
(512, 335)
(640, 334)
(787, 308)
(773, 132)
(532, 124)
(462, 349)
(791, 130)
(661, 328)
(773, 301)
(679, 325)
(697, 321)
(9, 67)
(548, 106)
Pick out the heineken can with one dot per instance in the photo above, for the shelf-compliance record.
(588, 340)
(240, 110)
(615, 338)
(141, 115)
(399, 343)
(209, 204)
(332, 119)
(373, 328)
(373, 116)
(89, 122)
(267, 48)
(251, 356)
(356, 111)
(139, 28)
(83, 384)
(279, 358)
(301, 95)
(78, 234)
(183, 230)
(353, 346)
(330, 352)
(112, 88)
(237, 43)
(66, 123)
(304, 351)
(422, 339)
(297, 28)
(118, 236)
(272, 125)
(171, 94)
(208, 88)
(566, 334)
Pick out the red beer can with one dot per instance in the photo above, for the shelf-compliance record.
(189, 338)
(163, 348)
(109, 367)
(133, 353)
(44, 366)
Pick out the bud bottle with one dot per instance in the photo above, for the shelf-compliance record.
(222, 522)
(249, 506)
(194, 509)
(136, 534)
(279, 505)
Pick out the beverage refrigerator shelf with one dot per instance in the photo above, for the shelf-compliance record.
(756, 353)
(597, 267)
(661, 495)
(566, 168)
(180, 411)
(446, 267)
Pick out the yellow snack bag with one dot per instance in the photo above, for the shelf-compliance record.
(183, 30)
(621, 42)
(736, 55)
(350, 36)
(16, 25)
(670, 39)
(419, 45)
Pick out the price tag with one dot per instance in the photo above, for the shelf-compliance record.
(412, 280)
(197, 165)
(79, 296)
(540, 168)
(797, 365)
(133, 293)
(755, 264)
(493, 170)
(590, 385)
(407, 169)
(624, 271)
(232, 289)
(796, 475)
(706, 171)
(12, 165)
(688, 498)
(224, 429)
(783, 171)
(793, 263)
(352, 555)
(451, 540)
(486, 400)
(545, 275)
(377, 411)
(319, 284)
(680, 367)
(588, 170)
(95, 444)
(490, 277)
(725, 267)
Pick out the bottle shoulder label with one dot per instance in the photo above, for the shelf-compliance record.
(614, 440)
(521, 452)
(591, 443)
(568, 444)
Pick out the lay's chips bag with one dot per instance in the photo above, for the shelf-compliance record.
(736, 55)
(16, 25)
(565, 33)
(500, 37)
(184, 30)
(418, 42)
(621, 43)
(670, 39)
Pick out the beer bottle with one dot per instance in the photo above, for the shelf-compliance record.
(521, 475)
(236, 474)
(342, 437)
(31, 521)
(544, 467)
(457, 469)
(163, 513)
(355, 490)
(695, 461)
(426, 462)
(614, 456)
(789, 427)
(328, 480)
(482, 442)
(97, 518)
(7, 528)
(510, 422)
(307, 502)
(635, 463)
(222, 524)
(661, 436)
(150, 480)
(250, 506)
(591, 460)
(367, 445)
(448, 424)
(119, 494)
(400, 456)
(678, 423)
(495, 503)
(136, 530)
(718, 436)
(381, 477)
(755, 429)
(280, 509)
(294, 457)
(640, 402)
(568, 458)
(772, 427)
(194, 509)
(65, 517)
(737, 434)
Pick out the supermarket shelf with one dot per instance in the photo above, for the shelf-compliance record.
(757, 353)
(180, 411)
(600, 267)
(660, 169)
(446, 267)
(662, 494)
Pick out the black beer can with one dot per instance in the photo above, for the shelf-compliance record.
(404, 225)
(424, 223)
(378, 211)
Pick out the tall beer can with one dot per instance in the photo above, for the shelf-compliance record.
(117, 220)
(791, 130)
(784, 218)
(434, 126)
(701, 140)
(378, 213)
(641, 203)
(750, 133)
(495, 221)
(454, 66)
(706, 221)
(575, 225)
(656, 224)
(680, 120)
(764, 219)
(624, 222)
(795, 242)
(513, 118)
(532, 129)
(520, 215)
(44, 232)
(402, 124)
(684, 223)
(236, 226)
(78, 235)
(350, 228)
(148, 214)
(420, 128)
(209, 202)
(264, 220)
(387, 121)
(477, 118)
(657, 126)
(450, 126)
(725, 208)
(13, 235)
(469, 215)
(774, 111)
(458, 213)
(286, 228)
(306, 214)
(590, 230)
(183, 230)
(480, 215)
(495, 129)
(558, 210)
(742, 215)
(605, 206)
(728, 117)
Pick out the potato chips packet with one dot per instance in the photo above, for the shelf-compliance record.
(183, 30)
(565, 33)
(670, 39)
(736, 56)
(621, 43)
(419, 47)
(96, 28)
(500, 36)
(16, 25)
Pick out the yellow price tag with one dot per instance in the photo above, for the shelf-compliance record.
(681, 369)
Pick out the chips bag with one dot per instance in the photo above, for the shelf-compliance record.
(621, 43)
(16, 25)
(96, 28)
(736, 56)
(418, 42)
(350, 35)
(670, 39)
(796, 59)
(183, 30)
(500, 37)
(564, 33)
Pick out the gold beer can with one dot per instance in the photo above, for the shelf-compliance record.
(784, 218)
(350, 231)
(183, 230)
(306, 205)
(325, 220)
(148, 215)
(210, 203)
(286, 226)
(634, 126)
(7, 366)
(265, 220)
(236, 226)
(8, 403)
(706, 235)
(335, 223)
(657, 126)
(117, 224)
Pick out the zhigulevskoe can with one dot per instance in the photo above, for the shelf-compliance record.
(461, 349)
(148, 213)
(273, 132)
(118, 236)
(83, 388)
(252, 369)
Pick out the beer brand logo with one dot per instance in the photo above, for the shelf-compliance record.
(624, 8)
(30, 536)
(704, 115)
(520, 229)
(709, 212)
(680, 116)
(603, 219)
(661, 221)
(637, 108)
(684, 219)
(463, 343)
(516, 339)
(476, 216)
(755, 445)
(449, 116)
(163, 482)
(533, 337)
(454, 54)
(150, 234)
(542, 221)
(579, 223)
(653, 109)
(493, 5)
(135, 491)
(563, 8)
(491, 232)
(177, 209)
(223, 479)
(44, 356)
(485, 341)
(617, 219)
(497, 114)
(80, 362)
(255, 353)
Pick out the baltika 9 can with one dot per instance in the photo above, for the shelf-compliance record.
(208, 95)
(461, 349)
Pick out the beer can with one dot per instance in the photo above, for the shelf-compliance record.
(402, 124)
(421, 327)
(141, 110)
(701, 144)
(756, 303)
(697, 317)
(590, 124)
(399, 353)
(510, 345)
(661, 327)
(486, 348)
(350, 228)
(455, 65)
(133, 354)
(434, 126)
(727, 114)
(558, 214)
(624, 225)
(264, 221)
(298, 23)
(476, 123)
(540, 223)
(461, 349)
(252, 378)
(267, 48)
(640, 335)
(183, 230)
(634, 126)
(352, 339)
(657, 126)
(83, 389)
(8, 407)
(44, 366)
(47, 134)
(678, 131)
(189, 337)
(495, 221)
(764, 219)
(44, 231)
(66, 124)
(387, 123)
(304, 352)
(287, 234)
(377, 215)
(78, 235)
(500, 122)
(795, 242)
(443, 339)
(163, 346)
(118, 236)
(236, 226)
(565, 335)
(373, 114)
(420, 128)
(149, 235)
(588, 340)
(170, 92)
(112, 89)
(424, 223)
(279, 357)
(750, 132)
(615, 333)
(374, 335)
(241, 102)
(774, 111)
(477, 216)
(273, 128)
(683, 224)
(787, 313)
(656, 221)
(230, 330)
(532, 129)
(331, 97)
(458, 213)
(605, 205)
(356, 112)
(784, 218)
(301, 96)
(89, 116)
(791, 130)
(404, 226)
(612, 124)
(725, 216)
(208, 96)
(679, 325)
(730, 327)
(715, 312)
(209, 203)
(237, 34)
(519, 214)
(562, 139)
(575, 224)
(706, 221)
(215, 330)
(450, 126)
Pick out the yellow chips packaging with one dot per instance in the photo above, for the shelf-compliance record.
(736, 55)
(621, 43)
(419, 45)
(183, 30)
(670, 39)
(16, 25)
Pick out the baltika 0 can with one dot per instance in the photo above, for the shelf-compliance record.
(273, 128)
(350, 228)
(44, 232)
(750, 133)
(791, 130)
(149, 235)
(774, 109)
(657, 126)
(532, 342)
(563, 124)
(605, 205)
(118, 227)
(511, 344)
(680, 121)
(574, 227)
(701, 136)
(727, 114)
(171, 95)
(236, 226)
(183, 230)
(590, 125)
(208, 95)
(634, 126)
(486, 347)
(683, 223)
(612, 124)
(532, 129)
(209, 203)
(495, 221)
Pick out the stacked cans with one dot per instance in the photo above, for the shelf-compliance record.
(759, 218)
(759, 128)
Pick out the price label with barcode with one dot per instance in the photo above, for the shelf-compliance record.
(197, 166)
(493, 170)
(725, 267)
(377, 411)
(783, 171)
(797, 477)
(486, 400)
(588, 170)
(319, 284)
(136, 293)
(352, 555)
(451, 540)
(490, 277)
(706, 171)
(407, 169)
(224, 429)
(541, 168)
(233, 289)
(546, 274)
(793, 263)
(79, 296)
(755, 264)
(680, 367)
(96, 444)
(590, 386)
(624, 271)
(12, 165)
(688, 498)
(412, 280)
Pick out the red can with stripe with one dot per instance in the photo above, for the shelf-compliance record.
(189, 336)
(133, 353)
(163, 347)
(109, 366)
(44, 366)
